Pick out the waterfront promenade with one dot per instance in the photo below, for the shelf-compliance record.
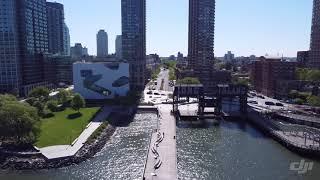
(167, 148)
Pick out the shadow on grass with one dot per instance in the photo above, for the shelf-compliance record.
(74, 115)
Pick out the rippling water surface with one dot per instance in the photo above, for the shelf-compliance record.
(122, 157)
(234, 150)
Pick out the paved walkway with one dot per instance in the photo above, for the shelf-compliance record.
(167, 148)
(54, 152)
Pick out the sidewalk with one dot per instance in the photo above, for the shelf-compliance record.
(59, 151)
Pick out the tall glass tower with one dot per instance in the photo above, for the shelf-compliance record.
(23, 42)
(102, 44)
(314, 54)
(201, 38)
(55, 22)
(134, 40)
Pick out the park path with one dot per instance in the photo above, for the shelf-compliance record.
(60, 151)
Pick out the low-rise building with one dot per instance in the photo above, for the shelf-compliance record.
(265, 72)
(59, 70)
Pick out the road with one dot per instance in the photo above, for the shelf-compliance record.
(158, 96)
(164, 75)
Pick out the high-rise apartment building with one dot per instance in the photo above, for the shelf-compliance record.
(23, 42)
(119, 47)
(134, 40)
(201, 39)
(55, 19)
(314, 55)
(66, 40)
(102, 44)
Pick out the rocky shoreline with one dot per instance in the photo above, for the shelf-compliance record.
(40, 162)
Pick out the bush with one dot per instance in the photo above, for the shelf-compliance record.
(63, 96)
(40, 93)
(189, 80)
(97, 132)
(314, 101)
(52, 105)
(299, 101)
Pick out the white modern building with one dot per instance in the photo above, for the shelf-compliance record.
(98, 81)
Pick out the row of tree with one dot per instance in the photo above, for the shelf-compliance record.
(304, 98)
(40, 98)
(308, 74)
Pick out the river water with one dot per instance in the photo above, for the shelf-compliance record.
(123, 157)
(234, 150)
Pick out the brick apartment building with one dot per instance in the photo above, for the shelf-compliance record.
(266, 72)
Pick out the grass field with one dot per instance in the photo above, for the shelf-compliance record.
(64, 127)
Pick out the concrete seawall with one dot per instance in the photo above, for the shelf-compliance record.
(269, 128)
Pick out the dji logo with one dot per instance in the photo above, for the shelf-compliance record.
(301, 167)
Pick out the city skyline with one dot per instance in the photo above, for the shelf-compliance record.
(256, 35)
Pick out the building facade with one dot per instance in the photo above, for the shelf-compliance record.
(266, 72)
(98, 81)
(23, 43)
(119, 46)
(55, 22)
(133, 14)
(303, 58)
(201, 39)
(59, 70)
(314, 56)
(66, 40)
(102, 44)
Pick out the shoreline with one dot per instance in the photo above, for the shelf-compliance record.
(38, 161)
(267, 128)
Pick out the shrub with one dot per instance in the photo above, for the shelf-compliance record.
(52, 105)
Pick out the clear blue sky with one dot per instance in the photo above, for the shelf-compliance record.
(243, 26)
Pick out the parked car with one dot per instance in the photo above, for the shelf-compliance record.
(253, 102)
(269, 103)
(279, 104)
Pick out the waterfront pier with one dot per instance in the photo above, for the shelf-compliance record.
(162, 158)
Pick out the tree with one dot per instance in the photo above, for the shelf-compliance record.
(313, 101)
(77, 102)
(4, 98)
(19, 123)
(52, 105)
(41, 93)
(63, 96)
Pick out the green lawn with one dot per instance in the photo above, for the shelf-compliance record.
(61, 130)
